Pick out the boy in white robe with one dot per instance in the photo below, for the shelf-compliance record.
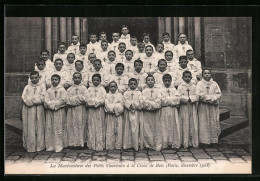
(45, 54)
(98, 70)
(159, 53)
(95, 100)
(194, 64)
(94, 45)
(162, 70)
(141, 52)
(208, 109)
(61, 52)
(77, 113)
(89, 66)
(70, 65)
(82, 55)
(133, 45)
(172, 65)
(169, 114)
(120, 78)
(188, 111)
(146, 40)
(150, 62)
(120, 54)
(133, 127)
(102, 37)
(79, 67)
(114, 118)
(110, 65)
(56, 127)
(129, 62)
(33, 114)
(182, 47)
(139, 74)
(74, 47)
(152, 125)
(61, 71)
(125, 37)
(114, 44)
(183, 66)
(168, 46)
(43, 72)
(102, 55)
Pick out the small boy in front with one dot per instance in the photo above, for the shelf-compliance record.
(56, 122)
(133, 132)
(61, 52)
(169, 114)
(188, 115)
(77, 113)
(114, 110)
(74, 47)
(33, 114)
(95, 100)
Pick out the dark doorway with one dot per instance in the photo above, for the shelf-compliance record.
(136, 25)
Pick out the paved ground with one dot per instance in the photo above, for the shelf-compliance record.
(234, 148)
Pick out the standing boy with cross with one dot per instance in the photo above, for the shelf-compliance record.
(56, 122)
(94, 45)
(120, 78)
(188, 111)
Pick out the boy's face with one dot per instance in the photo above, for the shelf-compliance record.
(70, 58)
(121, 47)
(166, 38)
(119, 70)
(93, 38)
(187, 77)
(96, 81)
(77, 79)
(168, 56)
(113, 87)
(146, 39)
(97, 65)
(132, 85)
(141, 47)
(44, 56)
(125, 31)
(62, 48)
(58, 65)
(190, 55)
(41, 65)
(149, 51)
(78, 66)
(128, 55)
(35, 78)
(162, 66)
(159, 48)
(75, 40)
(111, 56)
(150, 82)
(183, 63)
(115, 37)
(55, 81)
(83, 50)
(133, 41)
(104, 46)
(92, 57)
(167, 82)
(206, 75)
(103, 37)
(182, 39)
(138, 67)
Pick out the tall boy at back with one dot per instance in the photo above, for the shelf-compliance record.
(61, 52)
(74, 47)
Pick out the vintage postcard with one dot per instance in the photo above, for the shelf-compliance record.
(128, 95)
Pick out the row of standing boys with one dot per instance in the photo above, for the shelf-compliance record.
(122, 95)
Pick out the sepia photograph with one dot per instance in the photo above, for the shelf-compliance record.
(128, 95)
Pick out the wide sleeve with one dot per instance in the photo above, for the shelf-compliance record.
(200, 92)
(105, 80)
(109, 106)
(183, 99)
(62, 101)
(146, 101)
(118, 106)
(39, 99)
(127, 100)
(48, 103)
(156, 103)
(194, 98)
(101, 99)
(137, 103)
(175, 100)
(26, 98)
(217, 94)
(165, 100)
(71, 100)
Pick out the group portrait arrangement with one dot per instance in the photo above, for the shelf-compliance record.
(124, 94)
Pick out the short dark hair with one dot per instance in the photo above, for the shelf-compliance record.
(80, 61)
(190, 50)
(45, 50)
(34, 73)
(182, 57)
(167, 76)
(186, 72)
(97, 60)
(83, 45)
(58, 59)
(168, 52)
(96, 75)
(92, 34)
(77, 73)
(71, 54)
(111, 83)
(55, 75)
(62, 43)
(124, 26)
(139, 61)
(146, 34)
(40, 60)
(120, 65)
(165, 33)
(162, 60)
(112, 51)
(149, 75)
(132, 79)
(121, 43)
(102, 33)
(205, 69)
(104, 41)
(129, 51)
(149, 46)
